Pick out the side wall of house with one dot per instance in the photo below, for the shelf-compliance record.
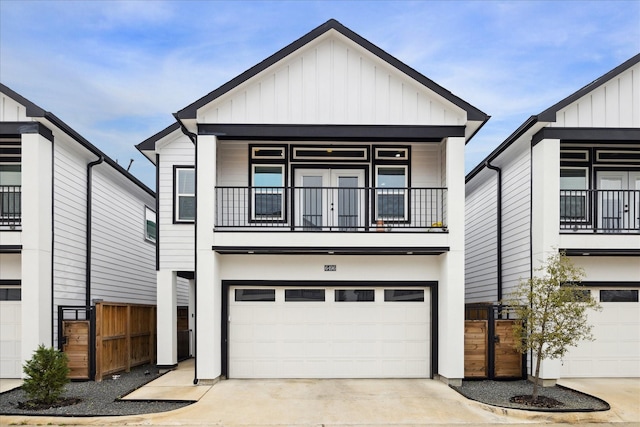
(122, 260)
(481, 238)
(177, 240)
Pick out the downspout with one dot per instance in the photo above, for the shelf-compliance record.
(88, 230)
(499, 227)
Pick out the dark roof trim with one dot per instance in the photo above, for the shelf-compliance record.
(587, 134)
(305, 250)
(331, 132)
(149, 144)
(600, 252)
(610, 284)
(472, 112)
(528, 124)
(15, 129)
(10, 249)
(35, 111)
(549, 115)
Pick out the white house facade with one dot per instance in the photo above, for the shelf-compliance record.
(75, 227)
(568, 180)
(315, 204)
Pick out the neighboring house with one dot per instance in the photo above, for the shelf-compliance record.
(568, 180)
(316, 205)
(75, 227)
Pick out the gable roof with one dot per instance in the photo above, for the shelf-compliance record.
(473, 114)
(32, 110)
(549, 115)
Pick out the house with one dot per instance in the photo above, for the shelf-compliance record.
(315, 206)
(75, 228)
(568, 179)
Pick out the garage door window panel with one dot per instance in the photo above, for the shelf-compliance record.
(255, 295)
(404, 295)
(355, 295)
(619, 295)
(310, 295)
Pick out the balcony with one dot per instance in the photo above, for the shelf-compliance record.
(600, 211)
(10, 206)
(330, 209)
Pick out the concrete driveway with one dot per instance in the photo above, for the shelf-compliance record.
(357, 403)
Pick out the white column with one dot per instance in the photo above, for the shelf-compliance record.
(167, 324)
(208, 334)
(451, 284)
(545, 217)
(37, 154)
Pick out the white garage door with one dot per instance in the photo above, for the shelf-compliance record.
(616, 349)
(329, 332)
(10, 339)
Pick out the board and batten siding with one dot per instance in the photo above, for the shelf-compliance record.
(332, 80)
(12, 111)
(481, 239)
(614, 104)
(122, 260)
(177, 241)
(516, 220)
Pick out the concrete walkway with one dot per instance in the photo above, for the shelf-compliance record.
(350, 403)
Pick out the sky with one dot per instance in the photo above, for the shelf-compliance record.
(116, 71)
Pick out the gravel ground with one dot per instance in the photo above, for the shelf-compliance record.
(499, 393)
(98, 398)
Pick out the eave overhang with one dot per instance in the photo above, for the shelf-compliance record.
(343, 250)
(600, 252)
(371, 133)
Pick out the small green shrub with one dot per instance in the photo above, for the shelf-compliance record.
(47, 374)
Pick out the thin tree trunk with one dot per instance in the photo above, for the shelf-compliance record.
(536, 377)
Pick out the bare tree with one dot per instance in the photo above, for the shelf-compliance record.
(553, 307)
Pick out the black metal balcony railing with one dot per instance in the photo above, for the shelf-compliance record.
(603, 211)
(331, 208)
(10, 205)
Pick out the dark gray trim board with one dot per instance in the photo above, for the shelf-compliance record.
(596, 284)
(311, 250)
(473, 113)
(601, 251)
(149, 144)
(15, 129)
(587, 134)
(367, 133)
(10, 249)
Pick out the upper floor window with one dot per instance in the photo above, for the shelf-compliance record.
(10, 191)
(391, 184)
(268, 192)
(573, 197)
(149, 224)
(185, 194)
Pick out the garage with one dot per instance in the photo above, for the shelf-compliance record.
(329, 332)
(616, 349)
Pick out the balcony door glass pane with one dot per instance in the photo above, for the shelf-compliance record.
(348, 203)
(312, 206)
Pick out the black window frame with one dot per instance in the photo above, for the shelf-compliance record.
(176, 195)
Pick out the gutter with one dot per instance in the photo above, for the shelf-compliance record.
(192, 136)
(88, 229)
(499, 229)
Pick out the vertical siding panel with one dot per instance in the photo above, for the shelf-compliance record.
(381, 96)
(585, 111)
(367, 91)
(625, 83)
(296, 104)
(310, 92)
(253, 104)
(612, 104)
(635, 90)
(353, 90)
(340, 73)
(599, 111)
(267, 99)
(281, 95)
(396, 102)
(324, 82)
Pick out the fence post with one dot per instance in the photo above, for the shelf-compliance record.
(127, 339)
(98, 349)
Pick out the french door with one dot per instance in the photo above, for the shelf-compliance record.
(618, 200)
(330, 199)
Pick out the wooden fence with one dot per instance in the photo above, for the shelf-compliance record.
(125, 337)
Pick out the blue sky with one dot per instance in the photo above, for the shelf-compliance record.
(115, 71)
